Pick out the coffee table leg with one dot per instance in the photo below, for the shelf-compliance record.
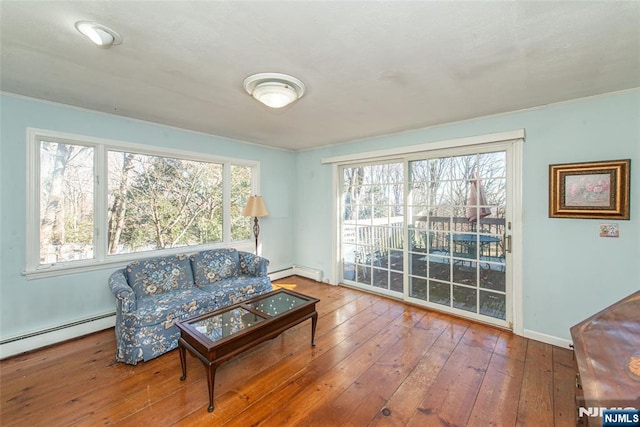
(211, 376)
(183, 360)
(314, 322)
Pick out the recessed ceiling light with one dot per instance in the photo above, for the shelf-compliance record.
(99, 34)
(274, 90)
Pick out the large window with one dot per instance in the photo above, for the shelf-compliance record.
(93, 202)
(66, 188)
(162, 202)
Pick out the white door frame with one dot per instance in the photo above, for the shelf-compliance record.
(510, 141)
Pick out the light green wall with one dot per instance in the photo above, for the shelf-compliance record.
(32, 305)
(569, 272)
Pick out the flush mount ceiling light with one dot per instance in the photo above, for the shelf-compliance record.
(99, 34)
(274, 90)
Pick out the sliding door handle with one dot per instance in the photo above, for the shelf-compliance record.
(507, 243)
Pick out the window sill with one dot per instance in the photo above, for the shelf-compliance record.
(119, 261)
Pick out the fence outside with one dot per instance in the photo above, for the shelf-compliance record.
(434, 235)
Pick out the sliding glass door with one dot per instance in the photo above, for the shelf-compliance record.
(372, 226)
(431, 229)
(456, 224)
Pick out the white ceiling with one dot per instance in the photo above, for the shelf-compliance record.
(370, 68)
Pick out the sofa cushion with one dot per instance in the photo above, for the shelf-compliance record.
(214, 265)
(165, 309)
(156, 276)
(237, 289)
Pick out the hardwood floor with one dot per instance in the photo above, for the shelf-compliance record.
(378, 362)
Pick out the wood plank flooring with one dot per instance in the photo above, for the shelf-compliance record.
(378, 362)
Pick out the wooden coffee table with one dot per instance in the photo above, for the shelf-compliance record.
(220, 335)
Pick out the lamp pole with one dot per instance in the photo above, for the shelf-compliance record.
(256, 231)
(255, 208)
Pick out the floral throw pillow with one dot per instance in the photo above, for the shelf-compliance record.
(159, 275)
(217, 264)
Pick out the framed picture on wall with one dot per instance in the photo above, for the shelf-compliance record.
(590, 190)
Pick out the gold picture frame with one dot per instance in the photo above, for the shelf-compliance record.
(598, 190)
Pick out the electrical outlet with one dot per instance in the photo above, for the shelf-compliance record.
(609, 230)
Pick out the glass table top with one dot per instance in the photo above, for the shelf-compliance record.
(278, 303)
(244, 315)
(227, 323)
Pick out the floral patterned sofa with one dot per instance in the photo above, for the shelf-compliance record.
(152, 294)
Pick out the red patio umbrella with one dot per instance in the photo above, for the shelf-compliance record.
(477, 200)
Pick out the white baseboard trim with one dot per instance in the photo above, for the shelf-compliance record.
(297, 270)
(21, 344)
(548, 339)
(309, 273)
(280, 274)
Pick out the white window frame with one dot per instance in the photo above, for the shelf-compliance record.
(101, 260)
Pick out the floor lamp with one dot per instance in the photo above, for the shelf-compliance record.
(256, 208)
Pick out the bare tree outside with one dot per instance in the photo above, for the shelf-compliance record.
(353, 178)
(442, 184)
(374, 191)
(240, 193)
(119, 172)
(66, 202)
(162, 202)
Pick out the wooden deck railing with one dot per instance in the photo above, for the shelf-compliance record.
(435, 236)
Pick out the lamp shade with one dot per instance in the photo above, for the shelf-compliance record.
(255, 207)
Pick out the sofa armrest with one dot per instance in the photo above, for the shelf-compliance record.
(122, 291)
(253, 265)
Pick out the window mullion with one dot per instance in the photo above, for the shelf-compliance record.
(226, 203)
(33, 201)
(406, 212)
(100, 203)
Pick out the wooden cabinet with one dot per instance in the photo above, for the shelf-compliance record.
(607, 352)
